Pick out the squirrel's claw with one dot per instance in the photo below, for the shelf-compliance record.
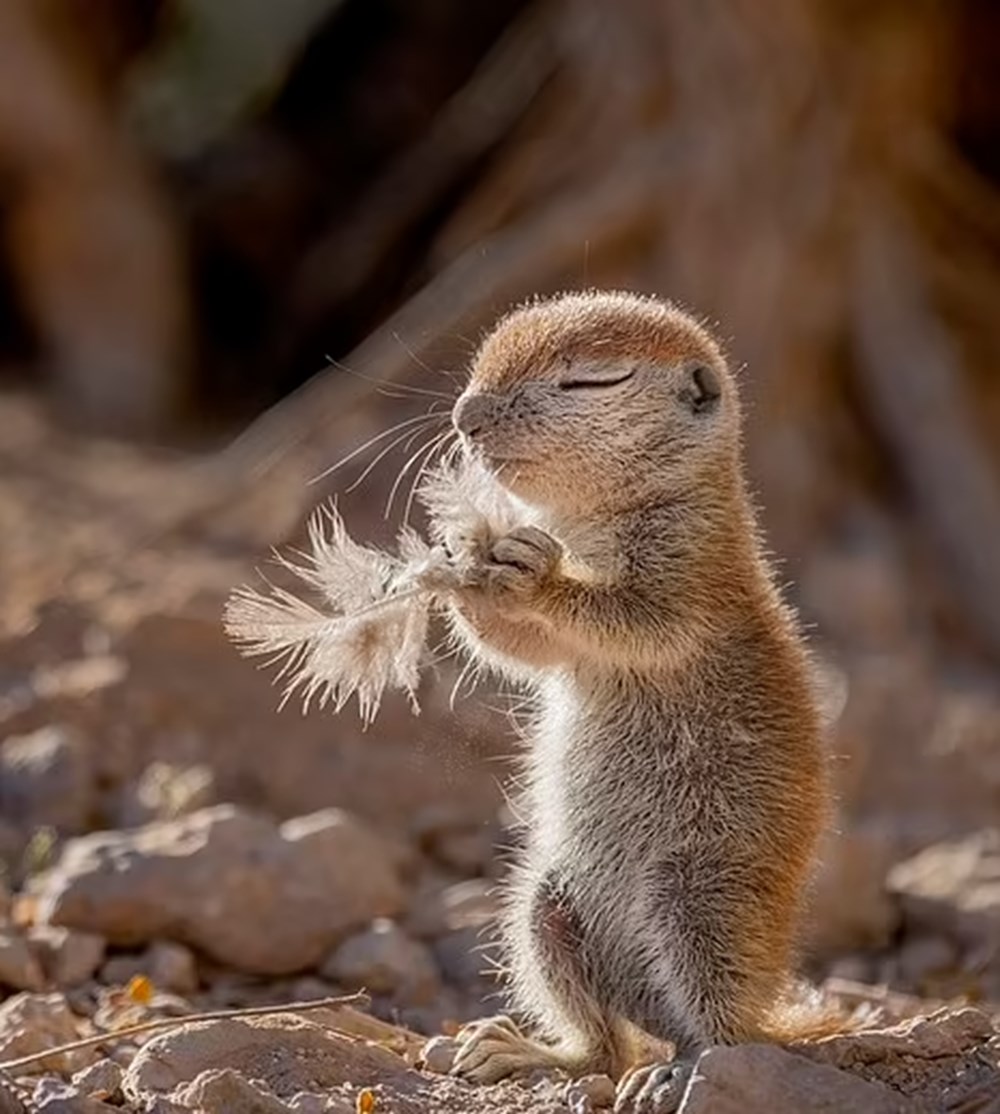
(653, 1088)
(528, 549)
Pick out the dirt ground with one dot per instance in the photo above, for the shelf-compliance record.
(173, 844)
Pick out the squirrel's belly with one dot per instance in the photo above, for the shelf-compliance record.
(579, 760)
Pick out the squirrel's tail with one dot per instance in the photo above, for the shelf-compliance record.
(804, 1014)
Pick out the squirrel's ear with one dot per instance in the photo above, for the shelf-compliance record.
(701, 390)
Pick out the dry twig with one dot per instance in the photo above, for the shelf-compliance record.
(360, 998)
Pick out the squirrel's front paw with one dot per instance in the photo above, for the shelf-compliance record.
(520, 563)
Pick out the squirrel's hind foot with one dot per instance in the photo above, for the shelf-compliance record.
(653, 1088)
(495, 1048)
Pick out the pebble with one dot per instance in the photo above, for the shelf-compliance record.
(251, 894)
(31, 1023)
(951, 889)
(438, 1054)
(46, 780)
(119, 969)
(19, 969)
(384, 960)
(171, 966)
(68, 958)
(163, 792)
(456, 839)
(438, 909)
(921, 956)
(464, 963)
(102, 1080)
(55, 1096)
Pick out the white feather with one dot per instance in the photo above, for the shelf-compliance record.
(368, 630)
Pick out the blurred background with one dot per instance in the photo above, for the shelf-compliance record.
(239, 238)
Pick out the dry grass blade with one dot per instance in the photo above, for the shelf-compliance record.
(360, 998)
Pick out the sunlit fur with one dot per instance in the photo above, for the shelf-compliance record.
(676, 787)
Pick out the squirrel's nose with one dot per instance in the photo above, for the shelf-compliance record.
(470, 415)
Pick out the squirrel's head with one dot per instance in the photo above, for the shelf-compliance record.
(600, 400)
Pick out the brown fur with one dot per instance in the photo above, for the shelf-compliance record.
(676, 783)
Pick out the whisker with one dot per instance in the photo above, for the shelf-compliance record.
(407, 464)
(413, 356)
(413, 437)
(448, 373)
(455, 378)
(407, 422)
(428, 420)
(389, 388)
(471, 669)
(397, 392)
(426, 447)
(422, 471)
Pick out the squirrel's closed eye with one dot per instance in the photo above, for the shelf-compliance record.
(588, 380)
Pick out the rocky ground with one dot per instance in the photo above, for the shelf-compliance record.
(171, 845)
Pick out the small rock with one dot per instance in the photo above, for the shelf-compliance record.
(171, 967)
(456, 839)
(118, 970)
(55, 1096)
(31, 1023)
(461, 959)
(310, 1103)
(590, 1092)
(228, 1090)
(163, 1105)
(952, 888)
(762, 1079)
(164, 792)
(18, 967)
(921, 956)
(46, 780)
(265, 899)
(470, 904)
(102, 1080)
(83, 1000)
(288, 1054)
(78, 678)
(946, 1032)
(67, 957)
(438, 1054)
(384, 960)
(939, 1060)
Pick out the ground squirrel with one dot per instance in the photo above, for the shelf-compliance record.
(676, 784)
